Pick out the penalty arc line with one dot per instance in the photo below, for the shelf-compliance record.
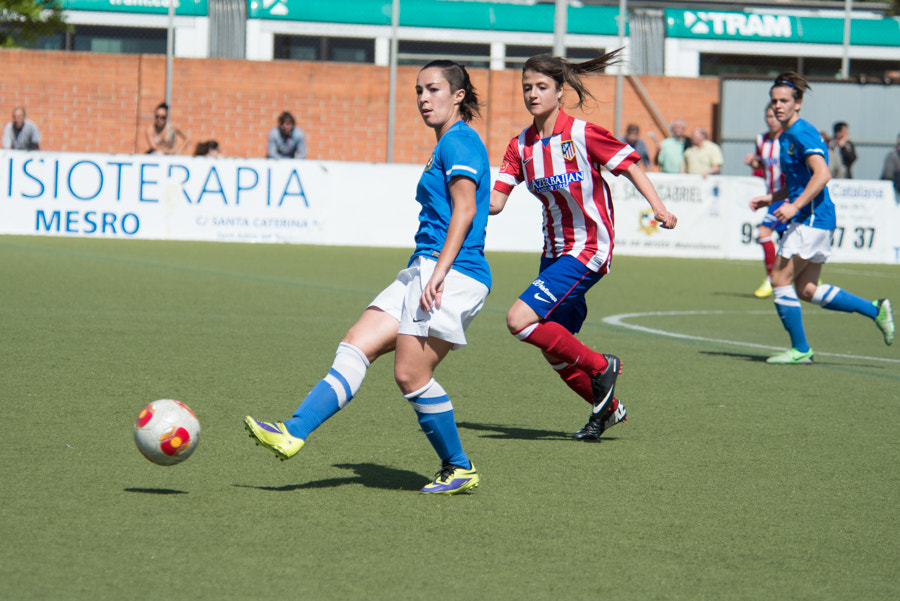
(619, 320)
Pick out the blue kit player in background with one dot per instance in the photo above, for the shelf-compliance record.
(810, 217)
(424, 313)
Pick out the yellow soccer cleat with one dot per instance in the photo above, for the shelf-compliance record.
(765, 290)
(452, 480)
(274, 436)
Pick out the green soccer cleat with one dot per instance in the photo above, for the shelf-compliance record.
(791, 357)
(452, 480)
(885, 320)
(274, 436)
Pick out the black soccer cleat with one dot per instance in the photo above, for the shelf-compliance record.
(603, 384)
(601, 422)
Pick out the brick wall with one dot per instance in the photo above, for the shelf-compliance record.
(86, 102)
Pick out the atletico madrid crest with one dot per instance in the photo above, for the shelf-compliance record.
(568, 150)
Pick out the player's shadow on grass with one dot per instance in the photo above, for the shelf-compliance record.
(370, 475)
(733, 294)
(157, 491)
(745, 356)
(512, 432)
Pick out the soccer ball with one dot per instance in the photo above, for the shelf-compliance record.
(166, 432)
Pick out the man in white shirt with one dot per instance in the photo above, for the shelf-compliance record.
(21, 133)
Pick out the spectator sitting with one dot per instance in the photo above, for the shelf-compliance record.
(209, 148)
(162, 136)
(286, 141)
(704, 157)
(632, 137)
(21, 133)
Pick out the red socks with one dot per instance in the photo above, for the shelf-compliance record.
(560, 343)
(768, 253)
(577, 380)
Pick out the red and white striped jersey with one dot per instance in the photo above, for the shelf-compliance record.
(563, 172)
(767, 153)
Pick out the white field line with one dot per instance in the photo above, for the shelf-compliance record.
(619, 320)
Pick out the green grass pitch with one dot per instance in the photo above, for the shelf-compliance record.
(732, 479)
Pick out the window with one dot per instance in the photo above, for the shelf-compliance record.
(771, 66)
(473, 56)
(319, 48)
(121, 40)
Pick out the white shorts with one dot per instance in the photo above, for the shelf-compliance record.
(461, 301)
(808, 243)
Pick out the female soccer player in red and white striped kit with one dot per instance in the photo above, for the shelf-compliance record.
(559, 158)
(767, 164)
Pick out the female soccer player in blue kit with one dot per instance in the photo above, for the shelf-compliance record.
(424, 313)
(809, 213)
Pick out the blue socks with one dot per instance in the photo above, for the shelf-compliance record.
(788, 307)
(435, 413)
(836, 299)
(826, 296)
(332, 393)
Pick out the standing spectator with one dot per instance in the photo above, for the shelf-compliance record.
(287, 141)
(671, 151)
(21, 133)
(891, 170)
(162, 136)
(841, 152)
(633, 138)
(704, 157)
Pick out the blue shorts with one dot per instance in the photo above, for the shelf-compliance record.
(771, 221)
(558, 292)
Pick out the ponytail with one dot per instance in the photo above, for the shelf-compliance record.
(565, 73)
(458, 78)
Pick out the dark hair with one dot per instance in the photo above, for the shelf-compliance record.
(793, 81)
(839, 126)
(563, 72)
(458, 78)
(202, 149)
(162, 105)
(285, 117)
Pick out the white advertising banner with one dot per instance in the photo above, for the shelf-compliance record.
(184, 198)
(368, 204)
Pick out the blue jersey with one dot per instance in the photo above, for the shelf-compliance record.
(799, 141)
(459, 152)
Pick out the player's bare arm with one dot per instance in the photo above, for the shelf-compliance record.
(636, 176)
(498, 201)
(462, 191)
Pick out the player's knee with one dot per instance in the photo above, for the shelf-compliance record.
(517, 319)
(806, 291)
(408, 380)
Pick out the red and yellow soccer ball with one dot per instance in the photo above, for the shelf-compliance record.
(166, 432)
